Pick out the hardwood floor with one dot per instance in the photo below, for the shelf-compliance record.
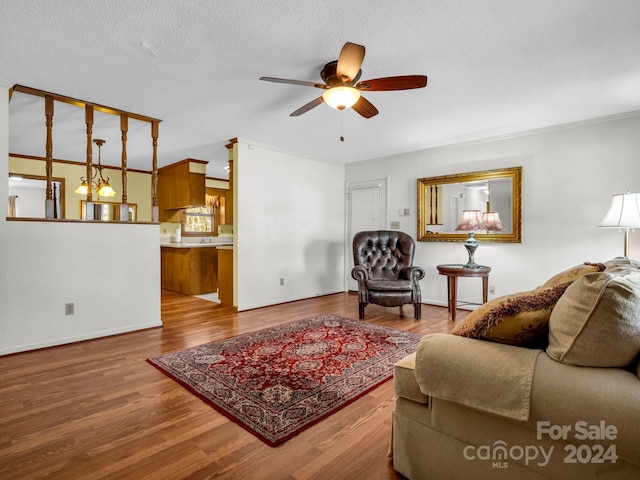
(98, 410)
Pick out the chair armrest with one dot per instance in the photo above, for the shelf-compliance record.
(360, 273)
(412, 273)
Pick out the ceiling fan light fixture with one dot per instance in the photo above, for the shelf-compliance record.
(341, 97)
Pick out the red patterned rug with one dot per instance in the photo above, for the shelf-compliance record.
(279, 381)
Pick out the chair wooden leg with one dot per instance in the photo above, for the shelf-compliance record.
(361, 309)
(401, 311)
(417, 311)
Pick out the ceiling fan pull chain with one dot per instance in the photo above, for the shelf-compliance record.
(342, 130)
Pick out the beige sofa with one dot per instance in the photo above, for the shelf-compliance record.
(482, 404)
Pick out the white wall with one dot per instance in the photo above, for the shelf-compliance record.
(569, 176)
(111, 272)
(289, 224)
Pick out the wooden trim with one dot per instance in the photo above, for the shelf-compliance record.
(82, 103)
(73, 162)
(73, 220)
(186, 160)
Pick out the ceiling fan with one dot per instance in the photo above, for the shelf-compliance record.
(342, 88)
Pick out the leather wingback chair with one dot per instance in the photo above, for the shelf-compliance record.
(383, 268)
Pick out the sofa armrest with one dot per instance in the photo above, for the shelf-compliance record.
(490, 377)
(404, 380)
(566, 394)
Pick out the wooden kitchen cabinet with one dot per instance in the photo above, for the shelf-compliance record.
(181, 185)
(191, 271)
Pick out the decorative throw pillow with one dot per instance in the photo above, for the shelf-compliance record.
(596, 323)
(519, 319)
(573, 273)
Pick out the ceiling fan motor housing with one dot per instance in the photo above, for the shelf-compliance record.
(328, 74)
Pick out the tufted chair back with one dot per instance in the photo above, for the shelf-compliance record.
(385, 254)
(384, 270)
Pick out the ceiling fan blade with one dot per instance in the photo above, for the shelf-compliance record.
(307, 107)
(349, 62)
(406, 82)
(365, 108)
(293, 82)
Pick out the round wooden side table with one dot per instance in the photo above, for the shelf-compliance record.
(452, 272)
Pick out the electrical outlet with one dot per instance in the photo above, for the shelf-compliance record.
(282, 281)
(68, 309)
(492, 289)
(395, 225)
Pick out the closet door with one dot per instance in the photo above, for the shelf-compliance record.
(367, 210)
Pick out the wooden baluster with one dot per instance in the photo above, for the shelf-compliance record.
(88, 119)
(124, 127)
(48, 113)
(155, 212)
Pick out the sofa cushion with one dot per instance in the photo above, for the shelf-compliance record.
(385, 285)
(573, 273)
(597, 321)
(519, 319)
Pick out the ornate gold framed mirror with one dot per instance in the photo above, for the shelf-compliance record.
(495, 193)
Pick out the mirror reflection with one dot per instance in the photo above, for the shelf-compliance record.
(485, 202)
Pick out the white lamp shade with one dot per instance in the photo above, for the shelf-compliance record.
(341, 97)
(623, 212)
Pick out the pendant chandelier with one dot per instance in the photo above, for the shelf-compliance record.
(97, 182)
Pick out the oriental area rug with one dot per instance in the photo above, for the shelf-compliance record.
(279, 381)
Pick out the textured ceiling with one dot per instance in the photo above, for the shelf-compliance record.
(494, 66)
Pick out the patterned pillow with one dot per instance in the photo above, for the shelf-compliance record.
(574, 273)
(596, 323)
(520, 319)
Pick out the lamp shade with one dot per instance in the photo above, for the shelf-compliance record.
(471, 220)
(341, 97)
(624, 211)
(105, 190)
(82, 189)
(492, 221)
